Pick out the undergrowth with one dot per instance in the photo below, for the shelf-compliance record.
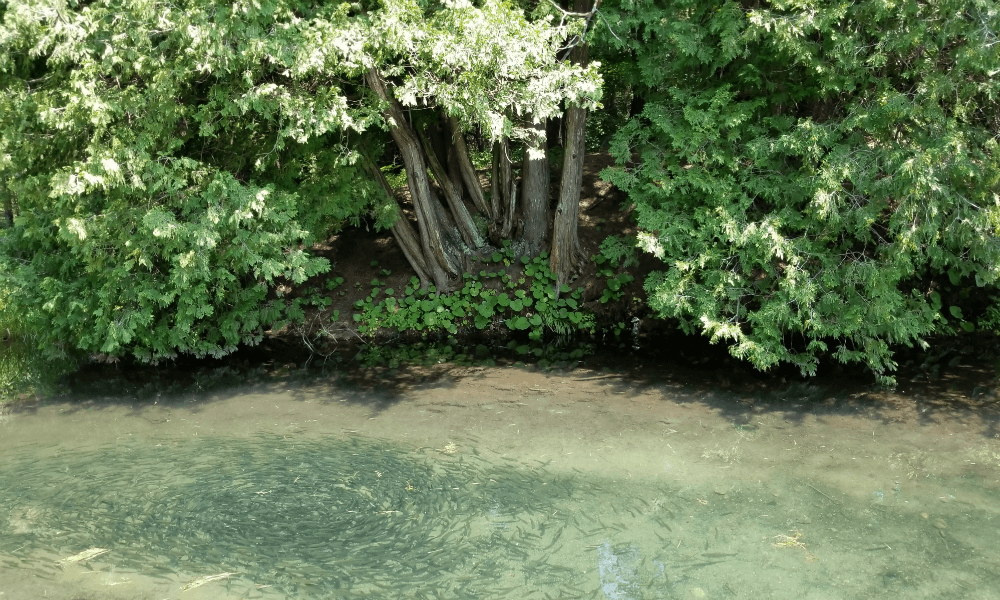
(511, 297)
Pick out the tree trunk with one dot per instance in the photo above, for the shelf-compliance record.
(495, 193)
(466, 226)
(468, 172)
(436, 134)
(509, 191)
(410, 244)
(535, 182)
(504, 194)
(443, 259)
(566, 251)
(454, 170)
(403, 232)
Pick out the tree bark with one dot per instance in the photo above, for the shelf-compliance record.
(407, 239)
(410, 244)
(495, 187)
(442, 259)
(566, 251)
(503, 200)
(510, 191)
(535, 182)
(468, 172)
(454, 170)
(466, 226)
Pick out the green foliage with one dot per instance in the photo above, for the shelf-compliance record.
(486, 63)
(481, 159)
(395, 176)
(167, 167)
(990, 319)
(948, 297)
(533, 307)
(618, 93)
(807, 168)
(555, 156)
(170, 162)
(22, 369)
(613, 292)
(615, 251)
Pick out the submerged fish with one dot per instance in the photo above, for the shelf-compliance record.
(206, 579)
(82, 556)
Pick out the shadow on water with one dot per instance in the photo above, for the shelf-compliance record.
(956, 380)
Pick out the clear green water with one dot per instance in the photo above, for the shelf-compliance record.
(328, 518)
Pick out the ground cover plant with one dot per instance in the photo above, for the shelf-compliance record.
(510, 298)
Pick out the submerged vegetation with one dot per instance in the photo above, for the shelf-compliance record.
(293, 515)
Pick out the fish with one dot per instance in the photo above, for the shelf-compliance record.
(206, 579)
(83, 556)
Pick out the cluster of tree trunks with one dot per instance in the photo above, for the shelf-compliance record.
(447, 240)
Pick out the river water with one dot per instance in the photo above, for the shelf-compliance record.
(498, 483)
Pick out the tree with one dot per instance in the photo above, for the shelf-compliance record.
(166, 167)
(487, 67)
(566, 251)
(814, 176)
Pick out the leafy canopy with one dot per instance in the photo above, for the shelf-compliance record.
(167, 168)
(169, 163)
(807, 169)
